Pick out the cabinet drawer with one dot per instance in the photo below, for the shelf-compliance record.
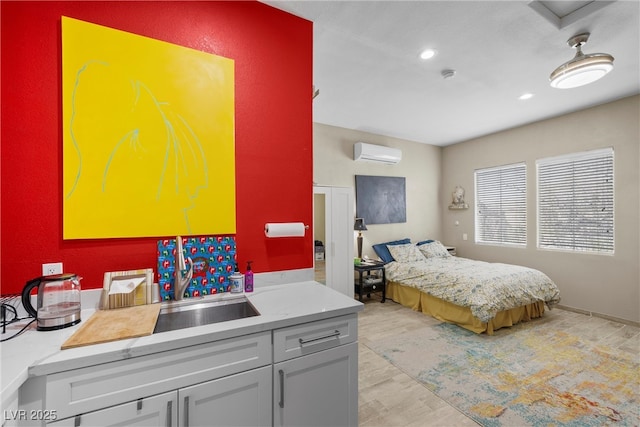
(87, 389)
(312, 337)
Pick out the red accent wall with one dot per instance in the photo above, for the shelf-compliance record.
(273, 70)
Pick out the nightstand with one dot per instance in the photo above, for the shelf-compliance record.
(451, 249)
(371, 277)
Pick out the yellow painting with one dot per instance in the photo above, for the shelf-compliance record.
(148, 136)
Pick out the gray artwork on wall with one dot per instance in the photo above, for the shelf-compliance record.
(381, 199)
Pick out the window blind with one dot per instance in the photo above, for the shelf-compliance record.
(575, 202)
(501, 205)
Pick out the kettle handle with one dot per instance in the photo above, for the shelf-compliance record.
(26, 296)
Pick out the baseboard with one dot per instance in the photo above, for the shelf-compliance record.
(600, 315)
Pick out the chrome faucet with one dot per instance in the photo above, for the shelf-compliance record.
(183, 274)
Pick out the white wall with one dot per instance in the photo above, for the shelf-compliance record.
(334, 166)
(603, 284)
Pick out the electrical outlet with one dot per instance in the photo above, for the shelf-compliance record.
(51, 268)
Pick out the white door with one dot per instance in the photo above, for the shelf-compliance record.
(338, 233)
(320, 389)
(237, 400)
(154, 411)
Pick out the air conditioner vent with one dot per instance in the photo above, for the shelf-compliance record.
(376, 153)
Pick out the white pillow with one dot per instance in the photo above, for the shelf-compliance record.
(434, 250)
(405, 253)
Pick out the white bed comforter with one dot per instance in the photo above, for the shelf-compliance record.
(486, 288)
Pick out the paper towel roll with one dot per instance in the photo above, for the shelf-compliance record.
(284, 229)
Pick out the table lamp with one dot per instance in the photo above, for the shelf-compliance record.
(359, 226)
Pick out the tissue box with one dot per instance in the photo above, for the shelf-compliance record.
(127, 288)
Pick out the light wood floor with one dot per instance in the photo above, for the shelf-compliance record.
(388, 397)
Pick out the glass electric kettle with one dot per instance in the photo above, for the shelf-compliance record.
(58, 303)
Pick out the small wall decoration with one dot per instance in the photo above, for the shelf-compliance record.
(148, 136)
(381, 199)
(214, 259)
(457, 197)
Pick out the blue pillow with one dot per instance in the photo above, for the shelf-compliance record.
(424, 242)
(383, 252)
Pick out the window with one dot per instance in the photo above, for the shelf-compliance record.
(501, 205)
(575, 202)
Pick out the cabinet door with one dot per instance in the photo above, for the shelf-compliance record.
(320, 389)
(237, 400)
(154, 411)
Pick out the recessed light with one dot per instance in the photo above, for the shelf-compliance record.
(428, 53)
(525, 96)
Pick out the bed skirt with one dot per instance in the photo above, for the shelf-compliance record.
(461, 316)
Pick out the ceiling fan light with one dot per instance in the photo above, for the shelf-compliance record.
(581, 70)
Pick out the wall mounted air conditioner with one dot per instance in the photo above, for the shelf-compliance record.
(376, 153)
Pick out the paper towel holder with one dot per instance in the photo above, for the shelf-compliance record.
(266, 229)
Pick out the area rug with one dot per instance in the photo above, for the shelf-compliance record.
(527, 375)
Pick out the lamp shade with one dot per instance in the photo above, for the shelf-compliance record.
(359, 225)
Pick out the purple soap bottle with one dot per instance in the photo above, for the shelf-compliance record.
(248, 278)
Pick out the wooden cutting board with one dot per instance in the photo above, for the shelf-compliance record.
(117, 324)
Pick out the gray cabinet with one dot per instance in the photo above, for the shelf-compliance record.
(242, 399)
(238, 400)
(122, 384)
(320, 389)
(315, 377)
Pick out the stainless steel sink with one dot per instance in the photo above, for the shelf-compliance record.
(188, 313)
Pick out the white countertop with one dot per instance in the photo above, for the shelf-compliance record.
(36, 353)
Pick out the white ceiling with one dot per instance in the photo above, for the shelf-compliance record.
(371, 79)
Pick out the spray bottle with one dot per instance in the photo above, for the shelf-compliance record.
(248, 278)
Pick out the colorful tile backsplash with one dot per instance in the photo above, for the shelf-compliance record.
(214, 259)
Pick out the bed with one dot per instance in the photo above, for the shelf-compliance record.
(479, 296)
